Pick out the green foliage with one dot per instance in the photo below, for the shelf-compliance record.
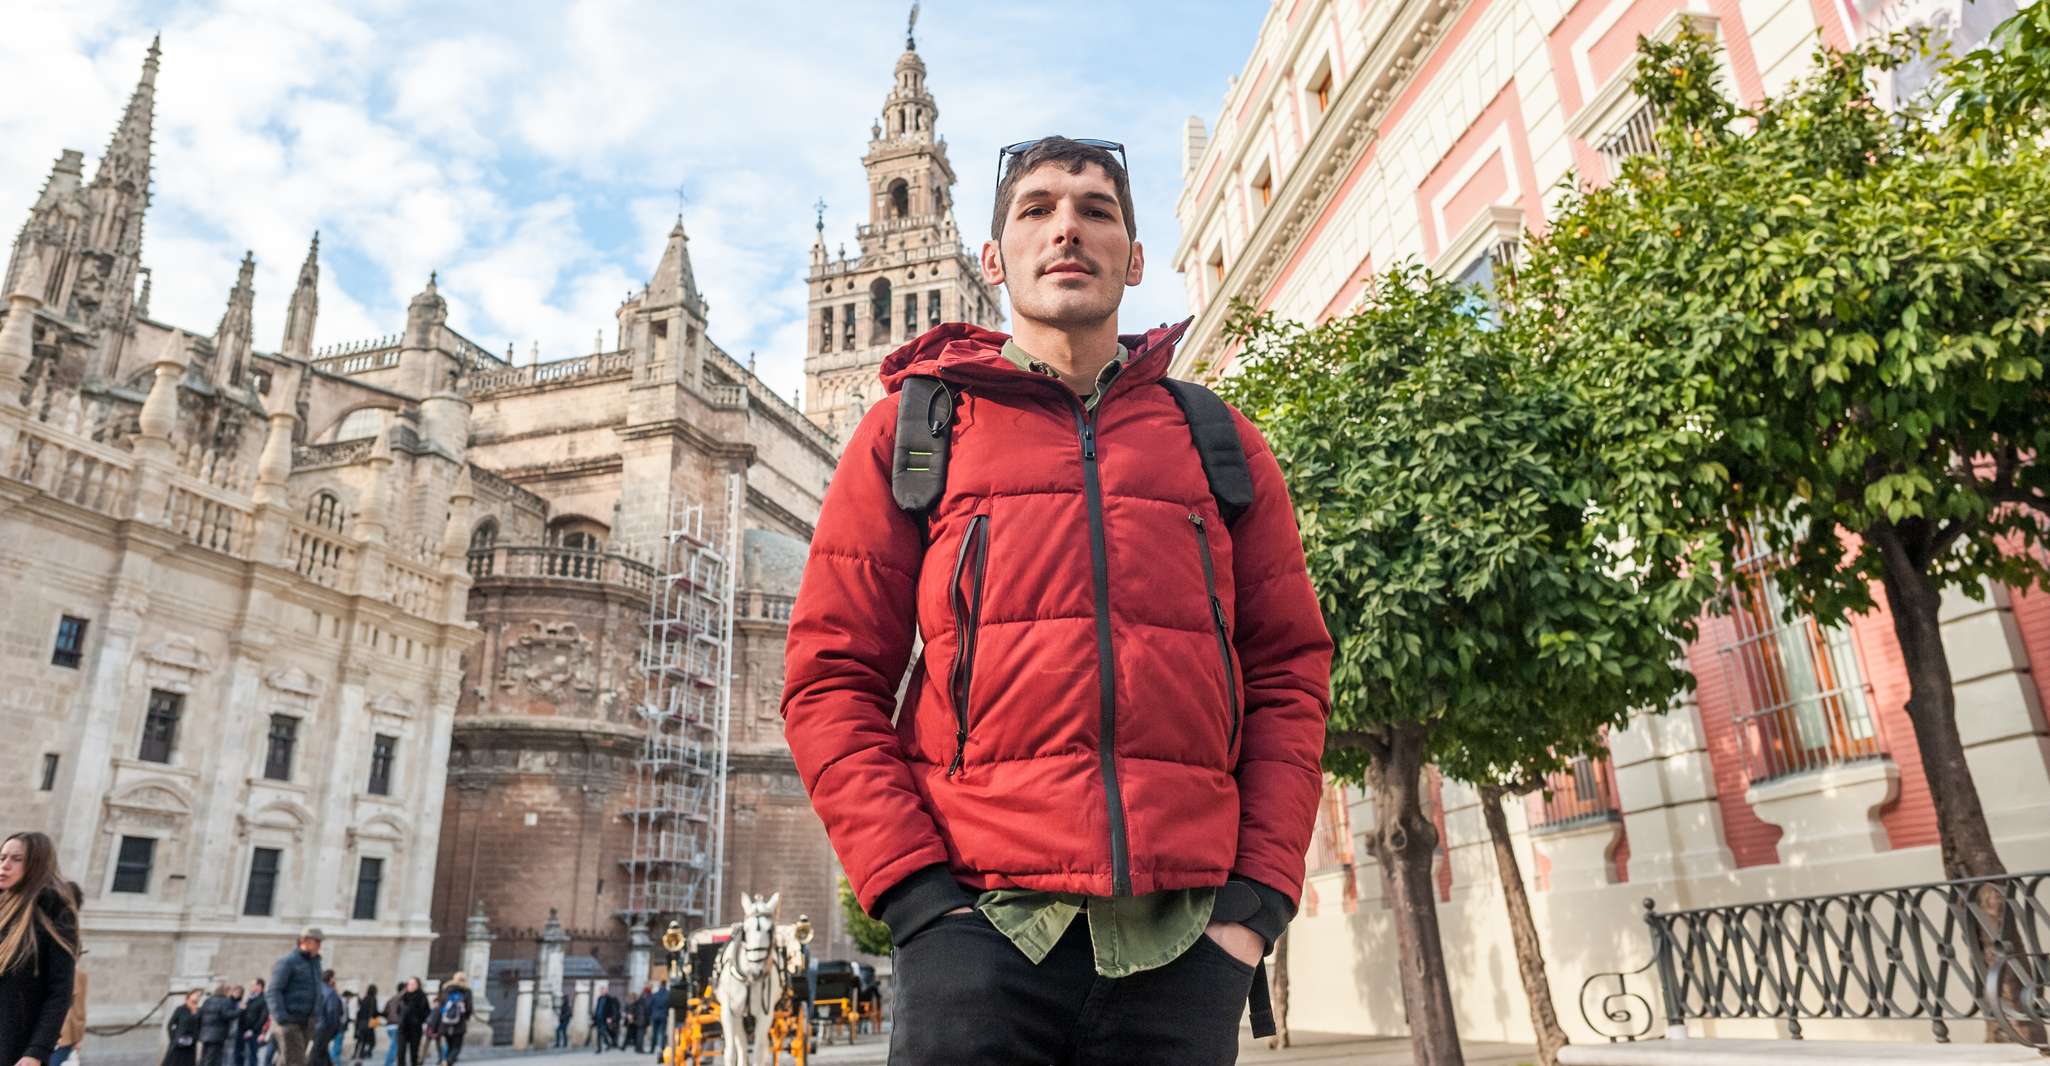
(2003, 89)
(1445, 505)
(869, 935)
(1817, 314)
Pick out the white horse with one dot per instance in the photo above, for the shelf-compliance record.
(751, 976)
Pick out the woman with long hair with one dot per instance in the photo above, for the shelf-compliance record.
(367, 1017)
(183, 1029)
(38, 950)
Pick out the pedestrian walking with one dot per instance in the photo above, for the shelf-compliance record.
(217, 1017)
(367, 1019)
(637, 1017)
(182, 1029)
(452, 1010)
(72, 1034)
(324, 1048)
(345, 1011)
(254, 1020)
(605, 1020)
(393, 1007)
(292, 998)
(658, 1016)
(38, 949)
(1102, 781)
(412, 1022)
(563, 1006)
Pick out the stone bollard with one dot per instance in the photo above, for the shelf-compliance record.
(580, 1016)
(477, 964)
(523, 1015)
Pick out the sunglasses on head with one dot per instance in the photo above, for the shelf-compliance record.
(1005, 153)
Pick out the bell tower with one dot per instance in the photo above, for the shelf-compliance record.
(910, 271)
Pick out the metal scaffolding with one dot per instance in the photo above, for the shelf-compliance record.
(679, 807)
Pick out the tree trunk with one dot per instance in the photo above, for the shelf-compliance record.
(1280, 992)
(1967, 842)
(1404, 841)
(1530, 956)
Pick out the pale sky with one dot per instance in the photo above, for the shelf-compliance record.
(531, 152)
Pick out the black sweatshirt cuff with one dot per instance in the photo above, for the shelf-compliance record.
(1269, 917)
(919, 900)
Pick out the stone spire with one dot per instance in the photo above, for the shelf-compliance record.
(17, 334)
(305, 305)
(51, 222)
(674, 281)
(102, 291)
(424, 317)
(233, 337)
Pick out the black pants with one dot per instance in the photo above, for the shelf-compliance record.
(452, 1041)
(965, 993)
(409, 1046)
(210, 1052)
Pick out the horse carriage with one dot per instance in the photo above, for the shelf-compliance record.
(743, 991)
(845, 996)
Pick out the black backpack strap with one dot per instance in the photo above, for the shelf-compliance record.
(1218, 445)
(918, 465)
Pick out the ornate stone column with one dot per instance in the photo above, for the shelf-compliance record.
(477, 964)
(548, 1005)
(580, 1015)
(154, 459)
(637, 947)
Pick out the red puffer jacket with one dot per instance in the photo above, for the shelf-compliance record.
(1117, 694)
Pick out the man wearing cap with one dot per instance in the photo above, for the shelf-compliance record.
(293, 996)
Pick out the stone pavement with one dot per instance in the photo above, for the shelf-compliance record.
(1329, 1049)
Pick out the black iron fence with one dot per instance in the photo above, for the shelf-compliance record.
(1937, 953)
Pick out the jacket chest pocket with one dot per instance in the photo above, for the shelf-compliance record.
(1216, 606)
(964, 594)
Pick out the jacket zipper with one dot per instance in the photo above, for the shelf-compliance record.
(1231, 679)
(1106, 687)
(973, 559)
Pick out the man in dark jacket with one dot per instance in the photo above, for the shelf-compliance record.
(217, 1018)
(293, 996)
(658, 1016)
(1101, 782)
(605, 1020)
(637, 1018)
(327, 1023)
(249, 1026)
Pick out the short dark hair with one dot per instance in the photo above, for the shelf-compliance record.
(1071, 156)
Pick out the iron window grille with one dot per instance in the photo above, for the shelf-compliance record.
(383, 750)
(1803, 701)
(160, 726)
(263, 882)
(132, 864)
(70, 647)
(284, 737)
(369, 878)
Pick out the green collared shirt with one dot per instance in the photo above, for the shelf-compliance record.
(1128, 934)
(1023, 360)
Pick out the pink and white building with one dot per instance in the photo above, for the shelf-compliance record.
(1362, 133)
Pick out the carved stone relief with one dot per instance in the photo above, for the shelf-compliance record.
(549, 661)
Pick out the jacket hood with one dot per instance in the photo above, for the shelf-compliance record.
(961, 352)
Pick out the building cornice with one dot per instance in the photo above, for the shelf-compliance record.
(1392, 60)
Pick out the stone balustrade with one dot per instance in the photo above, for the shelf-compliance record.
(518, 562)
(578, 370)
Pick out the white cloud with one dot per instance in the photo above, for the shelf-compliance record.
(530, 151)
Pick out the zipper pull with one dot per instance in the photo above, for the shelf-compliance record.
(1217, 612)
(1195, 520)
(960, 745)
(1089, 439)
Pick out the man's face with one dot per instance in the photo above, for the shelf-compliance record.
(310, 946)
(1064, 255)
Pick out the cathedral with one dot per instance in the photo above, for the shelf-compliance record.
(361, 632)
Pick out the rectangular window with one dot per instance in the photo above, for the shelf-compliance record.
(382, 749)
(847, 328)
(825, 329)
(910, 315)
(160, 726)
(263, 883)
(1265, 187)
(49, 771)
(932, 308)
(284, 737)
(369, 875)
(70, 642)
(132, 863)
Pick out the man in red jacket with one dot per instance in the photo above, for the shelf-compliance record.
(1086, 824)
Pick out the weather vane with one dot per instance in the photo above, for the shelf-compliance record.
(910, 41)
(820, 207)
(681, 199)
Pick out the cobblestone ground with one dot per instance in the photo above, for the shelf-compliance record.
(1327, 1049)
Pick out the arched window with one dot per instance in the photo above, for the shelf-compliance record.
(579, 545)
(482, 540)
(879, 311)
(900, 198)
(325, 510)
